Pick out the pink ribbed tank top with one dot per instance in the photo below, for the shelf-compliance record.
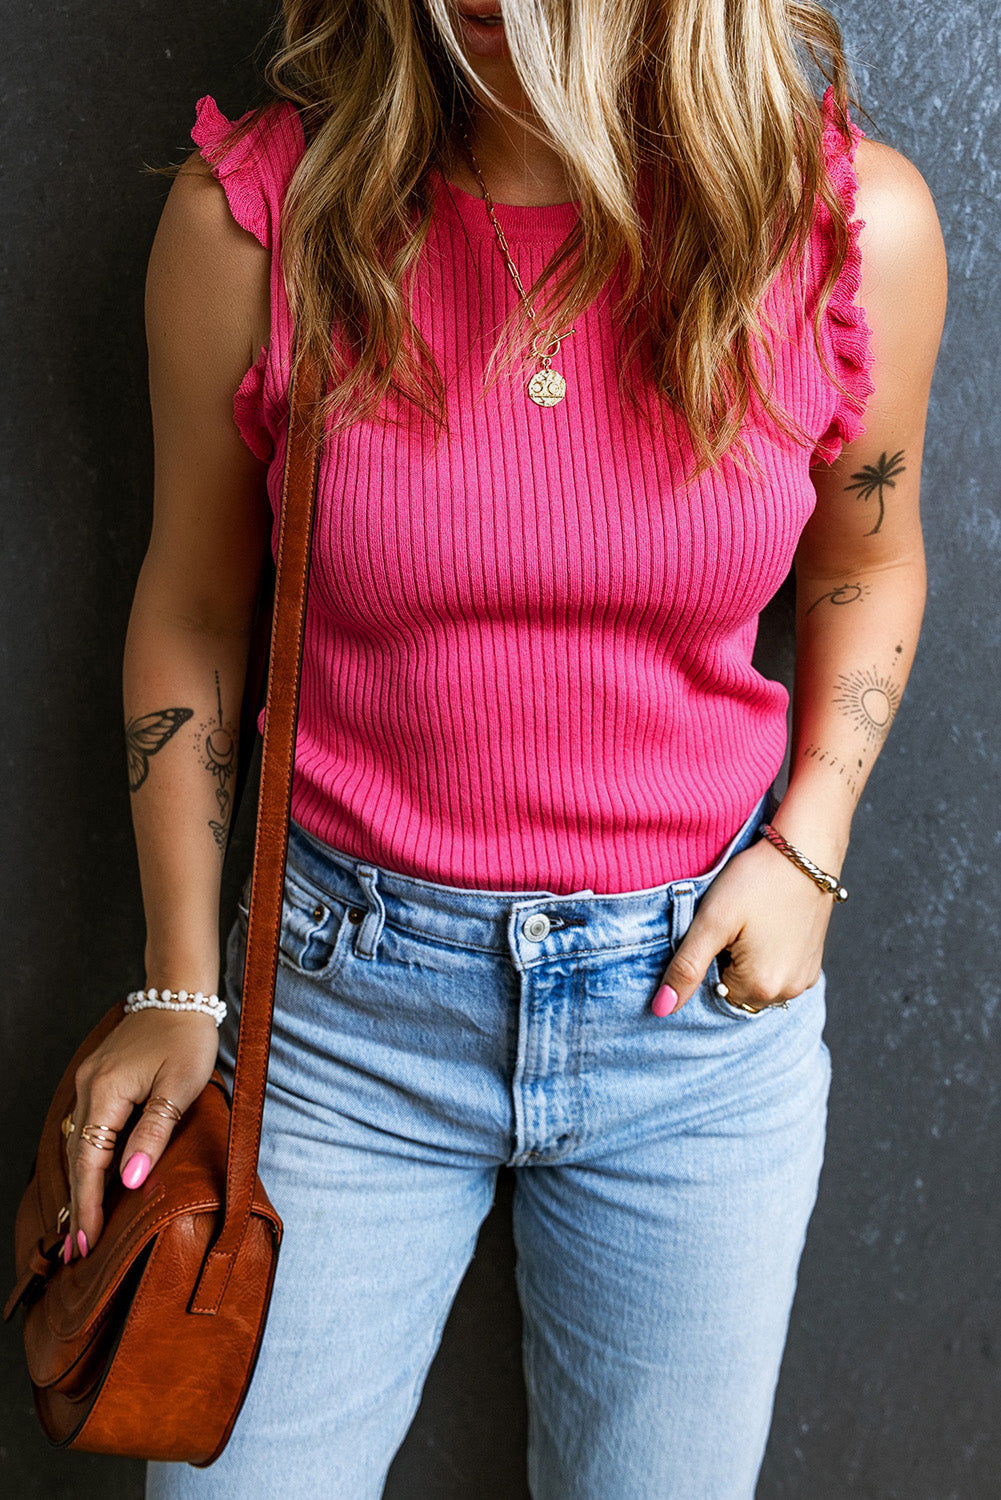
(527, 662)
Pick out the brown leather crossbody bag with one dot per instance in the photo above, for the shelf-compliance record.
(146, 1347)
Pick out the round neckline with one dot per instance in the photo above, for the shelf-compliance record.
(523, 221)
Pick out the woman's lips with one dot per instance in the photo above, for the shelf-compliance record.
(483, 40)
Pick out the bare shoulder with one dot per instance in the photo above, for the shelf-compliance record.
(904, 273)
(902, 237)
(202, 256)
(197, 205)
(879, 166)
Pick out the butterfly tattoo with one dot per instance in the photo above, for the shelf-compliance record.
(148, 734)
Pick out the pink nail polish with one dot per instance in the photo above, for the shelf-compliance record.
(136, 1169)
(67, 1250)
(664, 1001)
(81, 1240)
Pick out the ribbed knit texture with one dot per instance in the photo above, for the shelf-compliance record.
(528, 656)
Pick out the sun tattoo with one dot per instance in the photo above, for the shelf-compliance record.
(845, 593)
(218, 748)
(870, 700)
(847, 773)
(874, 479)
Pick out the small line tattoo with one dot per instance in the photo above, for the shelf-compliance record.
(845, 593)
(147, 734)
(218, 750)
(873, 479)
(870, 701)
(847, 774)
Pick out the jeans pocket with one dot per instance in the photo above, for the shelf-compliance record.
(315, 929)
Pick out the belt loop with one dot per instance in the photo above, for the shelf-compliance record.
(367, 937)
(682, 909)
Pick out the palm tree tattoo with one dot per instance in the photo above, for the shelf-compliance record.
(874, 479)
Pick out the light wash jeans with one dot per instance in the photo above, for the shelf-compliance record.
(666, 1171)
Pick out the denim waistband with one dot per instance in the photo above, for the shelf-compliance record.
(538, 923)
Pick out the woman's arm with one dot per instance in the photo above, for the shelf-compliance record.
(186, 651)
(860, 589)
(207, 305)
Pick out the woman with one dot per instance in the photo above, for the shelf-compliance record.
(531, 917)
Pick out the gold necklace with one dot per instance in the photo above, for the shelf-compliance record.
(547, 386)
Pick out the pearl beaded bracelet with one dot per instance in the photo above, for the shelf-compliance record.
(153, 999)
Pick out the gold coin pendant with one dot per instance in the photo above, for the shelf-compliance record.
(547, 387)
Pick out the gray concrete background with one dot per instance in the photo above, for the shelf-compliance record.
(891, 1385)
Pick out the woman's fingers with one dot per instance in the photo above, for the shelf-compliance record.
(159, 1060)
(99, 1103)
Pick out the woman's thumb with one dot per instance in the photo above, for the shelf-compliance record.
(687, 968)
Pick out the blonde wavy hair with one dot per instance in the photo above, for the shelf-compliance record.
(712, 98)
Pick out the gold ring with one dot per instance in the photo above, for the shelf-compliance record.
(160, 1105)
(102, 1137)
(67, 1127)
(755, 1010)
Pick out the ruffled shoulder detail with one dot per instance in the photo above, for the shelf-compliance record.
(248, 410)
(850, 336)
(255, 171)
(240, 169)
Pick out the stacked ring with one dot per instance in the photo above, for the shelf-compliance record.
(160, 1105)
(723, 991)
(102, 1137)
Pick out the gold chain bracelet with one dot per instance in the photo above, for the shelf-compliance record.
(829, 883)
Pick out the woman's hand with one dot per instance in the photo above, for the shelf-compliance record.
(149, 1052)
(769, 916)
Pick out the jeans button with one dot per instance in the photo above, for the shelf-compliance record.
(537, 927)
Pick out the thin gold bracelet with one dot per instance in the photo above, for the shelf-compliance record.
(829, 883)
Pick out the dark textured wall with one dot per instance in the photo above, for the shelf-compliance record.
(892, 1379)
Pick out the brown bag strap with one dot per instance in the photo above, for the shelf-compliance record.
(271, 843)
